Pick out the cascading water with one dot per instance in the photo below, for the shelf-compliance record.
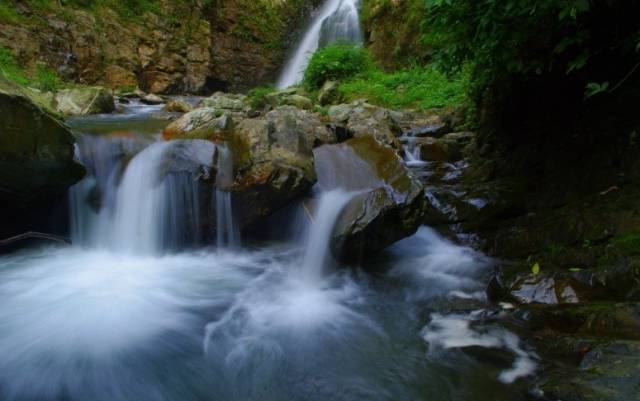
(337, 20)
(227, 232)
(119, 318)
(316, 253)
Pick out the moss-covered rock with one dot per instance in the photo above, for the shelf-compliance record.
(36, 152)
(389, 200)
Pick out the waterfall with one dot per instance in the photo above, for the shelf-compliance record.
(330, 204)
(228, 234)
(337, 20)
(148, 206)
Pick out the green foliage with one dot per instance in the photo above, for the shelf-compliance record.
(9, 15)
(47, 79)
(336, 62)
(527, 38)
(417, 87)
(257, 97)
(9, 67)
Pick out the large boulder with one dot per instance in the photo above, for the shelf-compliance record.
(225, 101)
(36, 153)
(362, 119)
(272, 155)
(388, 200)
(274, 159)
(84, 100)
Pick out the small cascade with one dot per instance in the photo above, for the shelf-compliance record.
(139, 207)
(147, 206)
(337, 20)
(228, 234)
(330, 205)
(411, 152)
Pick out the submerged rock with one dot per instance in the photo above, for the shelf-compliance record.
(388, 202)
(36, 152)
(84, 100)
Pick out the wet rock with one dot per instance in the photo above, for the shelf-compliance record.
(390, 201)
(177, 106)
(290, 123)
(36, 153)
(151, 99)
(329, 93)
(607, 372)
(84, 100)
(273, 159)
(203, 123)
(434, 149)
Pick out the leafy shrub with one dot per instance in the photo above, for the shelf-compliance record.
(336, 62)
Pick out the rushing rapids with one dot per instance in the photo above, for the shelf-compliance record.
(144, 306)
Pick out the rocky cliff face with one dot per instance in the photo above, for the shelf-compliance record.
(177, 47)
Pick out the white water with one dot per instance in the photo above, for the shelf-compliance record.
(228, 234)
(336, 20)
(139, 208)
(317, 250)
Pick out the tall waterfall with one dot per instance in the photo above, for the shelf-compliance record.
(337, 20)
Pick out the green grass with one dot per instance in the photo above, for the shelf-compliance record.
(45, 78)
(10, 68)
(9, 15)
(418, 88)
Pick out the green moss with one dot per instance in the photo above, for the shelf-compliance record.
(257, 97)
(9, 15)
(10, 68)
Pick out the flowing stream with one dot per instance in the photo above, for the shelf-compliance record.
(336, 20)
(145, 307)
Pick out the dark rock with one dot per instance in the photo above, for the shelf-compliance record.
(390, 201)
(36, 153)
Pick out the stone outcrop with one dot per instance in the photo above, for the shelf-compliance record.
(83, 101)
(36, 154)
(176, 47)
(362, 119)
(388, 203)
(272, 154)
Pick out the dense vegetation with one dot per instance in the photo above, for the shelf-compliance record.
(419, 87)
(566, 52)
(44, 78)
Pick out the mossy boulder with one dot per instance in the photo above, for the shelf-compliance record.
(362, 119)
(388, 201)
(84, 100)
(36, 152)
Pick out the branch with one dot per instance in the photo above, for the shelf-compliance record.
(34, 234)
